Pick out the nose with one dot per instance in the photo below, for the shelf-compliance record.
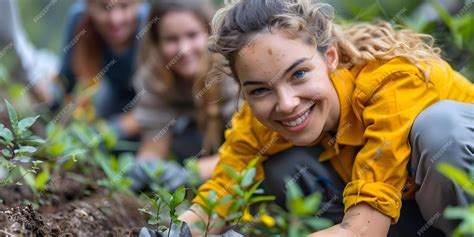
(184, 46)
(115, 16)
(287, 102)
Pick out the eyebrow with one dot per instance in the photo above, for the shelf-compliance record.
(295, 64)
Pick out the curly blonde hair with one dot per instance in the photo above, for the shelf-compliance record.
(235, 26)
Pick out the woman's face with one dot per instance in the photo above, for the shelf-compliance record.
(115, 20)
(286, 83)
(183, 43)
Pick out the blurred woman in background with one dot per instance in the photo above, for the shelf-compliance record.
(100, 49)
(183, 104)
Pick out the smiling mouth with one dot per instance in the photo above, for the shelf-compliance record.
(294, 122)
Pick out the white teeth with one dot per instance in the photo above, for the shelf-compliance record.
(297, 121)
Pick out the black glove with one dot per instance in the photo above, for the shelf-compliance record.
(166, 174)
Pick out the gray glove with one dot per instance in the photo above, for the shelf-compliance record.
(176, 231)
(166, 174)
(179, 231)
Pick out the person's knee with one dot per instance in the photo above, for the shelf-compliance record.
(439, 134)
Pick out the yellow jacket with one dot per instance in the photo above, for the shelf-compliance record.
(379, 103)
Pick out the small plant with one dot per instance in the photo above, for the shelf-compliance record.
(211, 202)
(115, 172)
(466, 228)
(160, 200)
(300, 219)
(244, 192)
(18, 145)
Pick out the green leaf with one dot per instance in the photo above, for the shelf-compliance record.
(6, 134)
(233, 216)
(252, 190)
(26, 123)
(237, 189)
(443, 14)
(114, 164)
(178, 197)
(207, 205)
(232, 172)
(143, 210)
(212, 197)
(29, 180)
(125, 161)
(248, 177)
(225, 199)
(293, 231)
(37, 162)
(311, 203)
(12, 115)
(258, 199)
(151, 201)
(6, 153)
(35, 140)
(153, 221)
(294, 191)
(165, 197)
(457, 176)
(296, 206)
(54, 131)
(252, 163)
(56, 149)
(318, 223)
(237, 205)
(26, 149)
(41, 180)
(456, 213)
(106, 166)
(23, 159)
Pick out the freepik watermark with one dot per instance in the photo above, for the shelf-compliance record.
(6, 49)
(147, 27)
(44, 11)
(74, 40)
(164, 130)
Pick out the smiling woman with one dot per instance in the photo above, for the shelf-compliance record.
(100, 49)
(302, 102)
(364, 106)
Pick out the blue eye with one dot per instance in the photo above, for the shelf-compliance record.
(299, 74)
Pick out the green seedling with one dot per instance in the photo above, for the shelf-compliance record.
(466, 228)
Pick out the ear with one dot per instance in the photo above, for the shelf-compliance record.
(332, 58)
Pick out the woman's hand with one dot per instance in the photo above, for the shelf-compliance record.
(359, 220)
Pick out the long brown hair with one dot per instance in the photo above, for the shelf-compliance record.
(167, 85)
(87, 55)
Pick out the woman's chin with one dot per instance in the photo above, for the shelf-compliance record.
(186, 72)
(305, 138)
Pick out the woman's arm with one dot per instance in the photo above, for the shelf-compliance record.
(129, 124)
(359, 220)
(206, 166)
(154, 147)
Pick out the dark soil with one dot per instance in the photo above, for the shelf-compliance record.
(69, 208)
(95, 216)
